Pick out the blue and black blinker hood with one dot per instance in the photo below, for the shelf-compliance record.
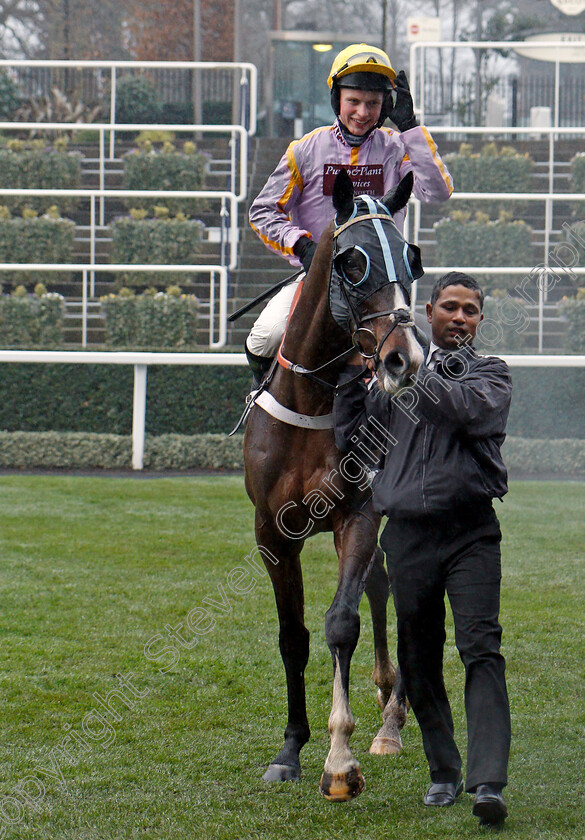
(385, 256)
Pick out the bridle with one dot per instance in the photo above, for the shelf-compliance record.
(399, 317)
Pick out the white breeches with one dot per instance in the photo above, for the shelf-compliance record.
(266, 334)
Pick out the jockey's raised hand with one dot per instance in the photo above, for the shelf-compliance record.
(402, 114)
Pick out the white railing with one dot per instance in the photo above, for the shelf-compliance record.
(226, 199)
(238, 133)
(552, 264)
(418, 70)
(248, 81)
(141, 361)
(218, 276)
(245, 94)
(88, 270)
(238, 173)
(417, 80)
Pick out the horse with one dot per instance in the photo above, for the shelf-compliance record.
(355, 297)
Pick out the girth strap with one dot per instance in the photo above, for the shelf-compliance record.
(305, 421)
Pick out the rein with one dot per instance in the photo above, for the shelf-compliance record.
(300, 370)
(401, 317)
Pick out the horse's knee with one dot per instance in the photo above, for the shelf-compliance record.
(342, 627)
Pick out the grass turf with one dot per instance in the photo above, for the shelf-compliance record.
(92, 569)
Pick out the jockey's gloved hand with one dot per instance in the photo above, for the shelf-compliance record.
(304, 248)
(402, 114)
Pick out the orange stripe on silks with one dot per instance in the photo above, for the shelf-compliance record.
(281, 359)
(276, 246)
(433, 147)
(354, 155)
(295, 180)
(292, 165)
(296, 177)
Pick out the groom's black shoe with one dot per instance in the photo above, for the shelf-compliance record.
(442, 794)
(489, 805)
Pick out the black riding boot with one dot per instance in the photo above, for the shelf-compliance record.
(260, 365)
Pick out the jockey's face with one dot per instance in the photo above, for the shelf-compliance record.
(359, 110)
(454, 316)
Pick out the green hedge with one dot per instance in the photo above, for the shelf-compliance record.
(573, 310)
(492, 170)
(178, 113)
(32, 321)
(82, 450)
(45, 239)
(575, 235)
(39, 168)
(137, 100)
(155, 320)
(166, 169)
(578, 182)
(10, 96)
(98, 398)
(546, 403)
(465, 242)
(544, 457)
(75, 450)
(155, 242)
(503, 327)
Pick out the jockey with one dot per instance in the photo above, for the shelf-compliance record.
(295, 205)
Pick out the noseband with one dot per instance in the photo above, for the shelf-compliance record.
(399, 317)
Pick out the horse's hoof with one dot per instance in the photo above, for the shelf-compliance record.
(282, 773)
(386, 746)
(339, 787)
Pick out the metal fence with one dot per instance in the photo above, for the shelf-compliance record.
(458, 104)
(454, 101)
(91, 81)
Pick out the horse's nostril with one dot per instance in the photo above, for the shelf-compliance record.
(396, 362)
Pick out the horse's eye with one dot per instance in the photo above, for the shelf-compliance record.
(353, 266)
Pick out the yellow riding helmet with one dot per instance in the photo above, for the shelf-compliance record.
(360, 58)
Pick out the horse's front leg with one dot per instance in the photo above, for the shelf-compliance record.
(342, 778)
(287, 582)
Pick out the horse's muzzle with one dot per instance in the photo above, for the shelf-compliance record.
(398, 368)
(396, 363)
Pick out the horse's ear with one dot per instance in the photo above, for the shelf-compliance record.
(397, 198)
(343, 196)
(414, 261)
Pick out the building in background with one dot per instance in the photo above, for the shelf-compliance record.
(300, 62)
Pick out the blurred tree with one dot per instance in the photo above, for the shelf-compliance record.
(17, 21)
(493, 21)
(161, 30)
(77, 29)
(57, 29)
